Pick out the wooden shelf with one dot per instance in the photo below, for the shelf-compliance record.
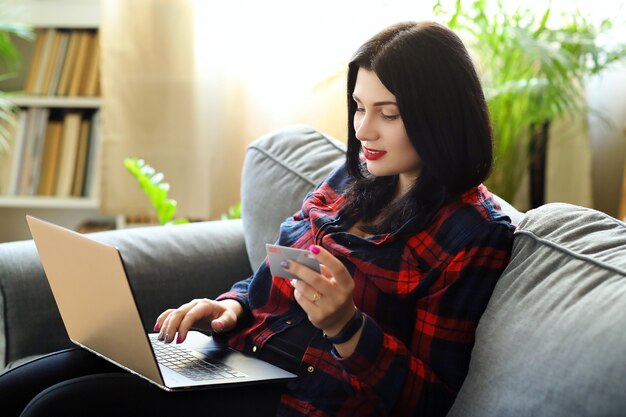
(50, 15)
(75, 14)
(56, 102)
(49, 202)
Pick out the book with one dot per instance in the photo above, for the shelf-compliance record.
(39, 137)
(51, 63)
(17, 150)
(5, 165)
(81, 158)
(64, 37)
(91, 184)
(50, 160)
(10, 129)
(40, 37)
(68, 63)
(43, 62)
(69, 149)
(91, 79)
(33, 139)
(82, 57)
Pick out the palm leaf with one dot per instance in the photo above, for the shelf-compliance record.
(531, 69)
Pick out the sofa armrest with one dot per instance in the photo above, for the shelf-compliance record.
(551, 341)
(167, 266)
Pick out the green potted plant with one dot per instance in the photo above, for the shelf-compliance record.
(151, 182)
(534, 66)
(10, 60)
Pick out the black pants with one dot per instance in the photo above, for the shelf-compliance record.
(75, 382)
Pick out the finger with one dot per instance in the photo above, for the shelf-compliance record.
(172, 322)
(326, 272)
(224, 322)
(197, 314)
(332, 264)
(307, 305)
(161, 319)
(165, 320)
(308, 276)
(306, 291)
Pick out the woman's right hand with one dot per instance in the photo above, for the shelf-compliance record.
(204, 314)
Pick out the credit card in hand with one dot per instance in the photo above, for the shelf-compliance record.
(277, 254)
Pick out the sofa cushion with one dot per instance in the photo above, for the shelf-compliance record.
(552, 341)
(278, 171)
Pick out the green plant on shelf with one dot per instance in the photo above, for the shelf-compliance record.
(151, 182)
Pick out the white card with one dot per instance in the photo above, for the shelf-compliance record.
(277, 254)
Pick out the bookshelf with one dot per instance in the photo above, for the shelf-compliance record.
(52, 170)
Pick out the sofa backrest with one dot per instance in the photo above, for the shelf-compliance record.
(552, 341)
(280, 168)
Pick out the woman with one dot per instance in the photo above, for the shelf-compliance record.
(411, 246)
(410, 241)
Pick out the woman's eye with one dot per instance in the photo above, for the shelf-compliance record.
(360, 110)
(390, 116)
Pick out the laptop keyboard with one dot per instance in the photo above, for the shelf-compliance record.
(180, 359)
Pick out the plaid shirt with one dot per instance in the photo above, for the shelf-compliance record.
(422, 293)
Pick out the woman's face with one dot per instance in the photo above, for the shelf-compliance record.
(379, 127)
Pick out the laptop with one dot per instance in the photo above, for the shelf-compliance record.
(96, 302)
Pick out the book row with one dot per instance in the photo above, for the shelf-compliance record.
(53, 154)
(64, 63)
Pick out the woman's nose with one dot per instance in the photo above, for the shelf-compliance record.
(364, 129)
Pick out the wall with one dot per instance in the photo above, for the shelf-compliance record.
(607, 95)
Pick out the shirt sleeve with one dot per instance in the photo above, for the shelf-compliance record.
(423, 377)
(290, 231)
(239, 292)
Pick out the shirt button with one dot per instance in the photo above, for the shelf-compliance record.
(254, 349)
(289, 322)
(310, 369)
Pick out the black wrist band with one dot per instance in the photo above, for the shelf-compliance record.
(348, 330)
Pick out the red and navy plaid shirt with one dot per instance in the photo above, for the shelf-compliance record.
(422, 294)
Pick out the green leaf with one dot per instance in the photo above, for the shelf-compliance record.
(151, 183)
(532, 70)
(234, 212)
(178, 221)
(166, 211)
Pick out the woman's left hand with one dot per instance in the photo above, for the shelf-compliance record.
(326, 297)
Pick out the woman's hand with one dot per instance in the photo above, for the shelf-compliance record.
(326, 297)
(204, 314)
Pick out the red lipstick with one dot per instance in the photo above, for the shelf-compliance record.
(373, 154)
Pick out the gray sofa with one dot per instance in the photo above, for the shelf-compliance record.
(552, 341)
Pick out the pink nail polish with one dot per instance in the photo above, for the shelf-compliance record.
(157, 327)
(314, 250)
(219, 325)
(179, 340)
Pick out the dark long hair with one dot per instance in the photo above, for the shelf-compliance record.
(428, 69)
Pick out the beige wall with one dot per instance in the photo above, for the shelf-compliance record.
(607, 94)
(202, 88)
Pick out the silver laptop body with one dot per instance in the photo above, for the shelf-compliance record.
(95, 300)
